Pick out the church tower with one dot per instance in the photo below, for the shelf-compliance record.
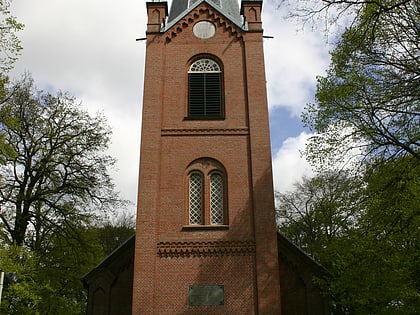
(206, 240)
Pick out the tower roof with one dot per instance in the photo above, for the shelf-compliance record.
(229, 8)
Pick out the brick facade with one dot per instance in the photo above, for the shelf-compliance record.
(110, 284)
(240, 142)
(154, 272)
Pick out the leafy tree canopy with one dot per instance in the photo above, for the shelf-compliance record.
(9, 51)
(9, 42)
(58, 175)
(114, 232)
(320, 210)
(364, 232)
(49, 280)
(370, 96)
(368, 106)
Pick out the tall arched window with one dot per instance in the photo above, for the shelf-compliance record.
(216, 199)
(195, 198)
(205, 89)
(207, 201)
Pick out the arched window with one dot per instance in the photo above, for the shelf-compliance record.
(207, 202)
(195, 198)
(205, 89)
(216, 199)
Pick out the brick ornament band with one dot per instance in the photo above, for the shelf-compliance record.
(199, 249)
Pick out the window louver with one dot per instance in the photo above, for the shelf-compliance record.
(205, 99)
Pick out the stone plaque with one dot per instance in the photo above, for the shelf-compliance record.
(206, 295)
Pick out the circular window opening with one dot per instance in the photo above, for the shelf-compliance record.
(204, 30)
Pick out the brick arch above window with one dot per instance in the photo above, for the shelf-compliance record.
(206, 165)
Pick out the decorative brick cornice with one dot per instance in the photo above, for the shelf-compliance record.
(213, 132)
(210, 14)
(199, 249)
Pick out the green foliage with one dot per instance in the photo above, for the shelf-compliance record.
(393, 221)
(111, 236)
(58, 176)
(6, 150)
(367, 110)
(49, 280)
(9, 42)
(319, 210)
(370, 96)
(9, 51)
(20, 297)
(54, 184)
(65, 260)
(373, 259)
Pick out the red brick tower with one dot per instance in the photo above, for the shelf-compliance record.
(206, 240)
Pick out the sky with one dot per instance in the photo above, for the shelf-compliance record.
(89, 48)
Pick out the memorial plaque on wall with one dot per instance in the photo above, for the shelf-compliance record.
(206, 295)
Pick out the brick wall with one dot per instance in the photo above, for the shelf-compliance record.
(240, 142)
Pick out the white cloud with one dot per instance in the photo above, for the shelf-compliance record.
(88, 48)
(294, 57)
(288, 165)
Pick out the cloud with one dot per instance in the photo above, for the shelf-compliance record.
(294, 57)
(88, 48)
(288, 165)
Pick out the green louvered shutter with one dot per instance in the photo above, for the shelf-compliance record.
(205, 99)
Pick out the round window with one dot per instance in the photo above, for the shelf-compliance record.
(204, 30)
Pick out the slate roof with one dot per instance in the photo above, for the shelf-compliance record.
(113, 260)
(229, 8)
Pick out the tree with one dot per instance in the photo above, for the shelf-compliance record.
(368, 105)
(333, 13)
(393, 220)
(115, 232)
(373, 254)
(375, 267)
(9, 51)
(49, 280)
(9, 42)
(370, 97)
(19, 291)
(320, 210)
(62, 264)
(58, 177)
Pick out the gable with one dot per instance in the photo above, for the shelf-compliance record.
(202, 10)
(228, 8)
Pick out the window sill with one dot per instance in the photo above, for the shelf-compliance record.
(215, 227)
